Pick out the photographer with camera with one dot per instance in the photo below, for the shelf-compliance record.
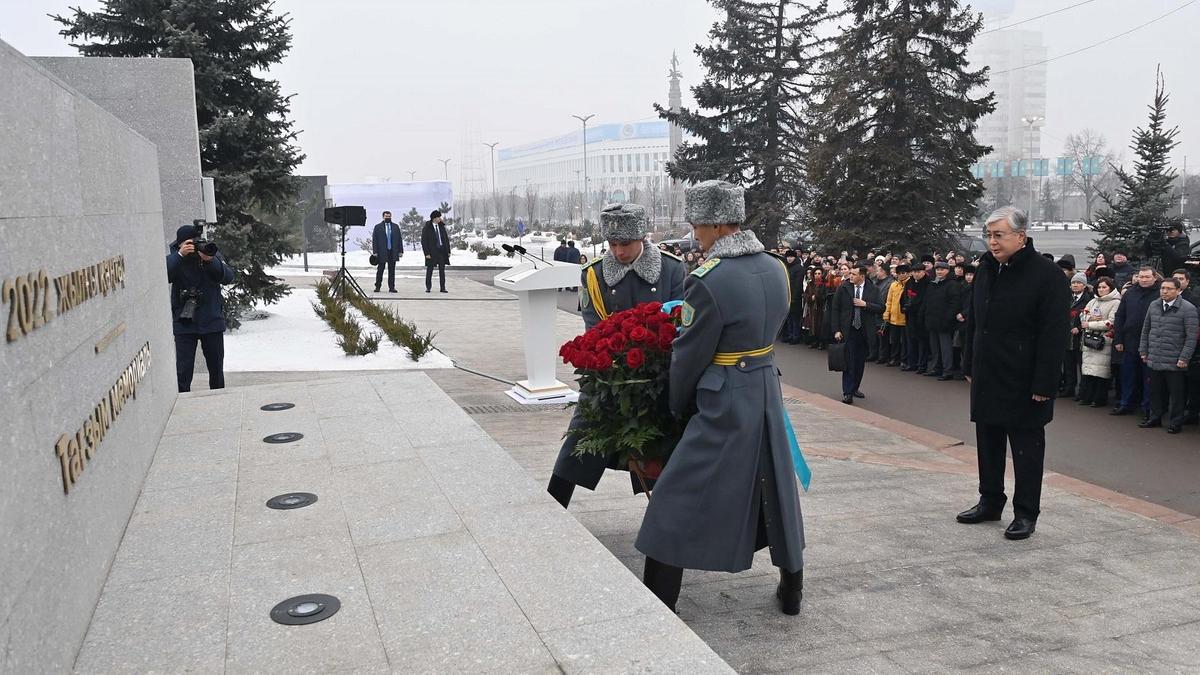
(1171, 247)
(196, 272)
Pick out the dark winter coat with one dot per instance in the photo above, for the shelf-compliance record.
(560, 253)
(910, 301)
(190, 273)
(1016, 339)
(1169, 336)
(968, 297)
(1174, 253)
(379, 242)
(1078, 306)
(571, 255)
(1122, 274)
(941, 306)
(1127, 326)
(796, 281)
(434, 254)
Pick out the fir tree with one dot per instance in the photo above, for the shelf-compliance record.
(1143, 198)
(896, 126)
(246, 138)
(760, 62)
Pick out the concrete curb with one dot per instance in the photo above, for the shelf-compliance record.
(965, 456)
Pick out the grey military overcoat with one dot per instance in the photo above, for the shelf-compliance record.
(629, 292)
(730, 487)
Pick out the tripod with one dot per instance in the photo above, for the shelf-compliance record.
(343, 279)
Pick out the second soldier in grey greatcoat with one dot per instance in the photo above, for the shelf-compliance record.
(730, 486)
(632, 272)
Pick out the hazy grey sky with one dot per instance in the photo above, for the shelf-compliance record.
(384, 88)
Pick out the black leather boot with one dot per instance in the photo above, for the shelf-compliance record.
(561, 489)
(790, 591)
(664, 581)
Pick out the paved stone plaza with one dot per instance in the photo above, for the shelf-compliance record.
(893, 584)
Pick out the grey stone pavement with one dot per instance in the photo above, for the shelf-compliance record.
(446, 556)
(893, 583)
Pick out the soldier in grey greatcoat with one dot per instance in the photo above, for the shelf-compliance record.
(632, 272)
(730, 487)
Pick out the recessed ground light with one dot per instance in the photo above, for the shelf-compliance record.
(305, 609)
(273, 407)
(292, 500)
(285, 437)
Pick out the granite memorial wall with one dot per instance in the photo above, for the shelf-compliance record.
(87, 358)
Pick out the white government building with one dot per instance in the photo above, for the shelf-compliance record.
(619, 157)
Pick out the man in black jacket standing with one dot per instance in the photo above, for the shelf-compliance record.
(197, 308)
(939, 314)
(910, 304)
(856, 310)
(1016, 337)
(435, 243)
(1127, 333)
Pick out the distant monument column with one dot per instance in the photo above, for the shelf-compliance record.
(675, 101)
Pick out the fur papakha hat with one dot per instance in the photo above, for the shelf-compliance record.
(624, 222)
(715, 202)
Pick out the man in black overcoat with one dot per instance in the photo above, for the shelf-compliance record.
(435, 242)
(1017, 335)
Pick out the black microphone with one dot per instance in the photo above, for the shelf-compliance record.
(521, 251)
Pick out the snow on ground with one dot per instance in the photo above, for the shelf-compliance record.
(293, 338)
(539, 245)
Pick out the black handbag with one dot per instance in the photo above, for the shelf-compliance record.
(1094, 340)
(837, 356)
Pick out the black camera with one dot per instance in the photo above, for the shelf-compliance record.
(206, 247)
(201, 244)
(190, 297)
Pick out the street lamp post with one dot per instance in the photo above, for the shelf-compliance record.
(585, 176)
(581, 198)
(1029, 122)
(445, 168)
(412, 176)
(492, 147)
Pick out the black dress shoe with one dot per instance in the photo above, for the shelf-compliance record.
(979, 513)
(444, 291)
(1149, 424)
(790, 591)
(376, 289)
(392, 290)
(893, 364)
(1120, 411)
(945, 378)
(1020, 528)
(859, 394)
(932, 373)
(848, 399)
(1174, 429)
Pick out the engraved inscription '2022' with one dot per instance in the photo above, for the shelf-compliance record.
(28, 296)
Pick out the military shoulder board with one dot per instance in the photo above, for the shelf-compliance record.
(708, 266)
(670, 255)
(593, 261)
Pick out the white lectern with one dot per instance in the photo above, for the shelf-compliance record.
(536, 284)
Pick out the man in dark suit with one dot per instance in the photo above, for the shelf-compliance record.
(856, 310)
(1017, 335)
(572, 256)
(388, 246)
(435, 242)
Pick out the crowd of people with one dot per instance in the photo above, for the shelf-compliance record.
(1133, 334)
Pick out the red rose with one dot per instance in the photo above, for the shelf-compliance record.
(629, 325)
(617, 342)
(635, 358)
(602, 362)
(651, 308)
(640, 334)
(666, 332)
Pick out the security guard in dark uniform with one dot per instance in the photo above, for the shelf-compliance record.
(730, 486)
(632, 272)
